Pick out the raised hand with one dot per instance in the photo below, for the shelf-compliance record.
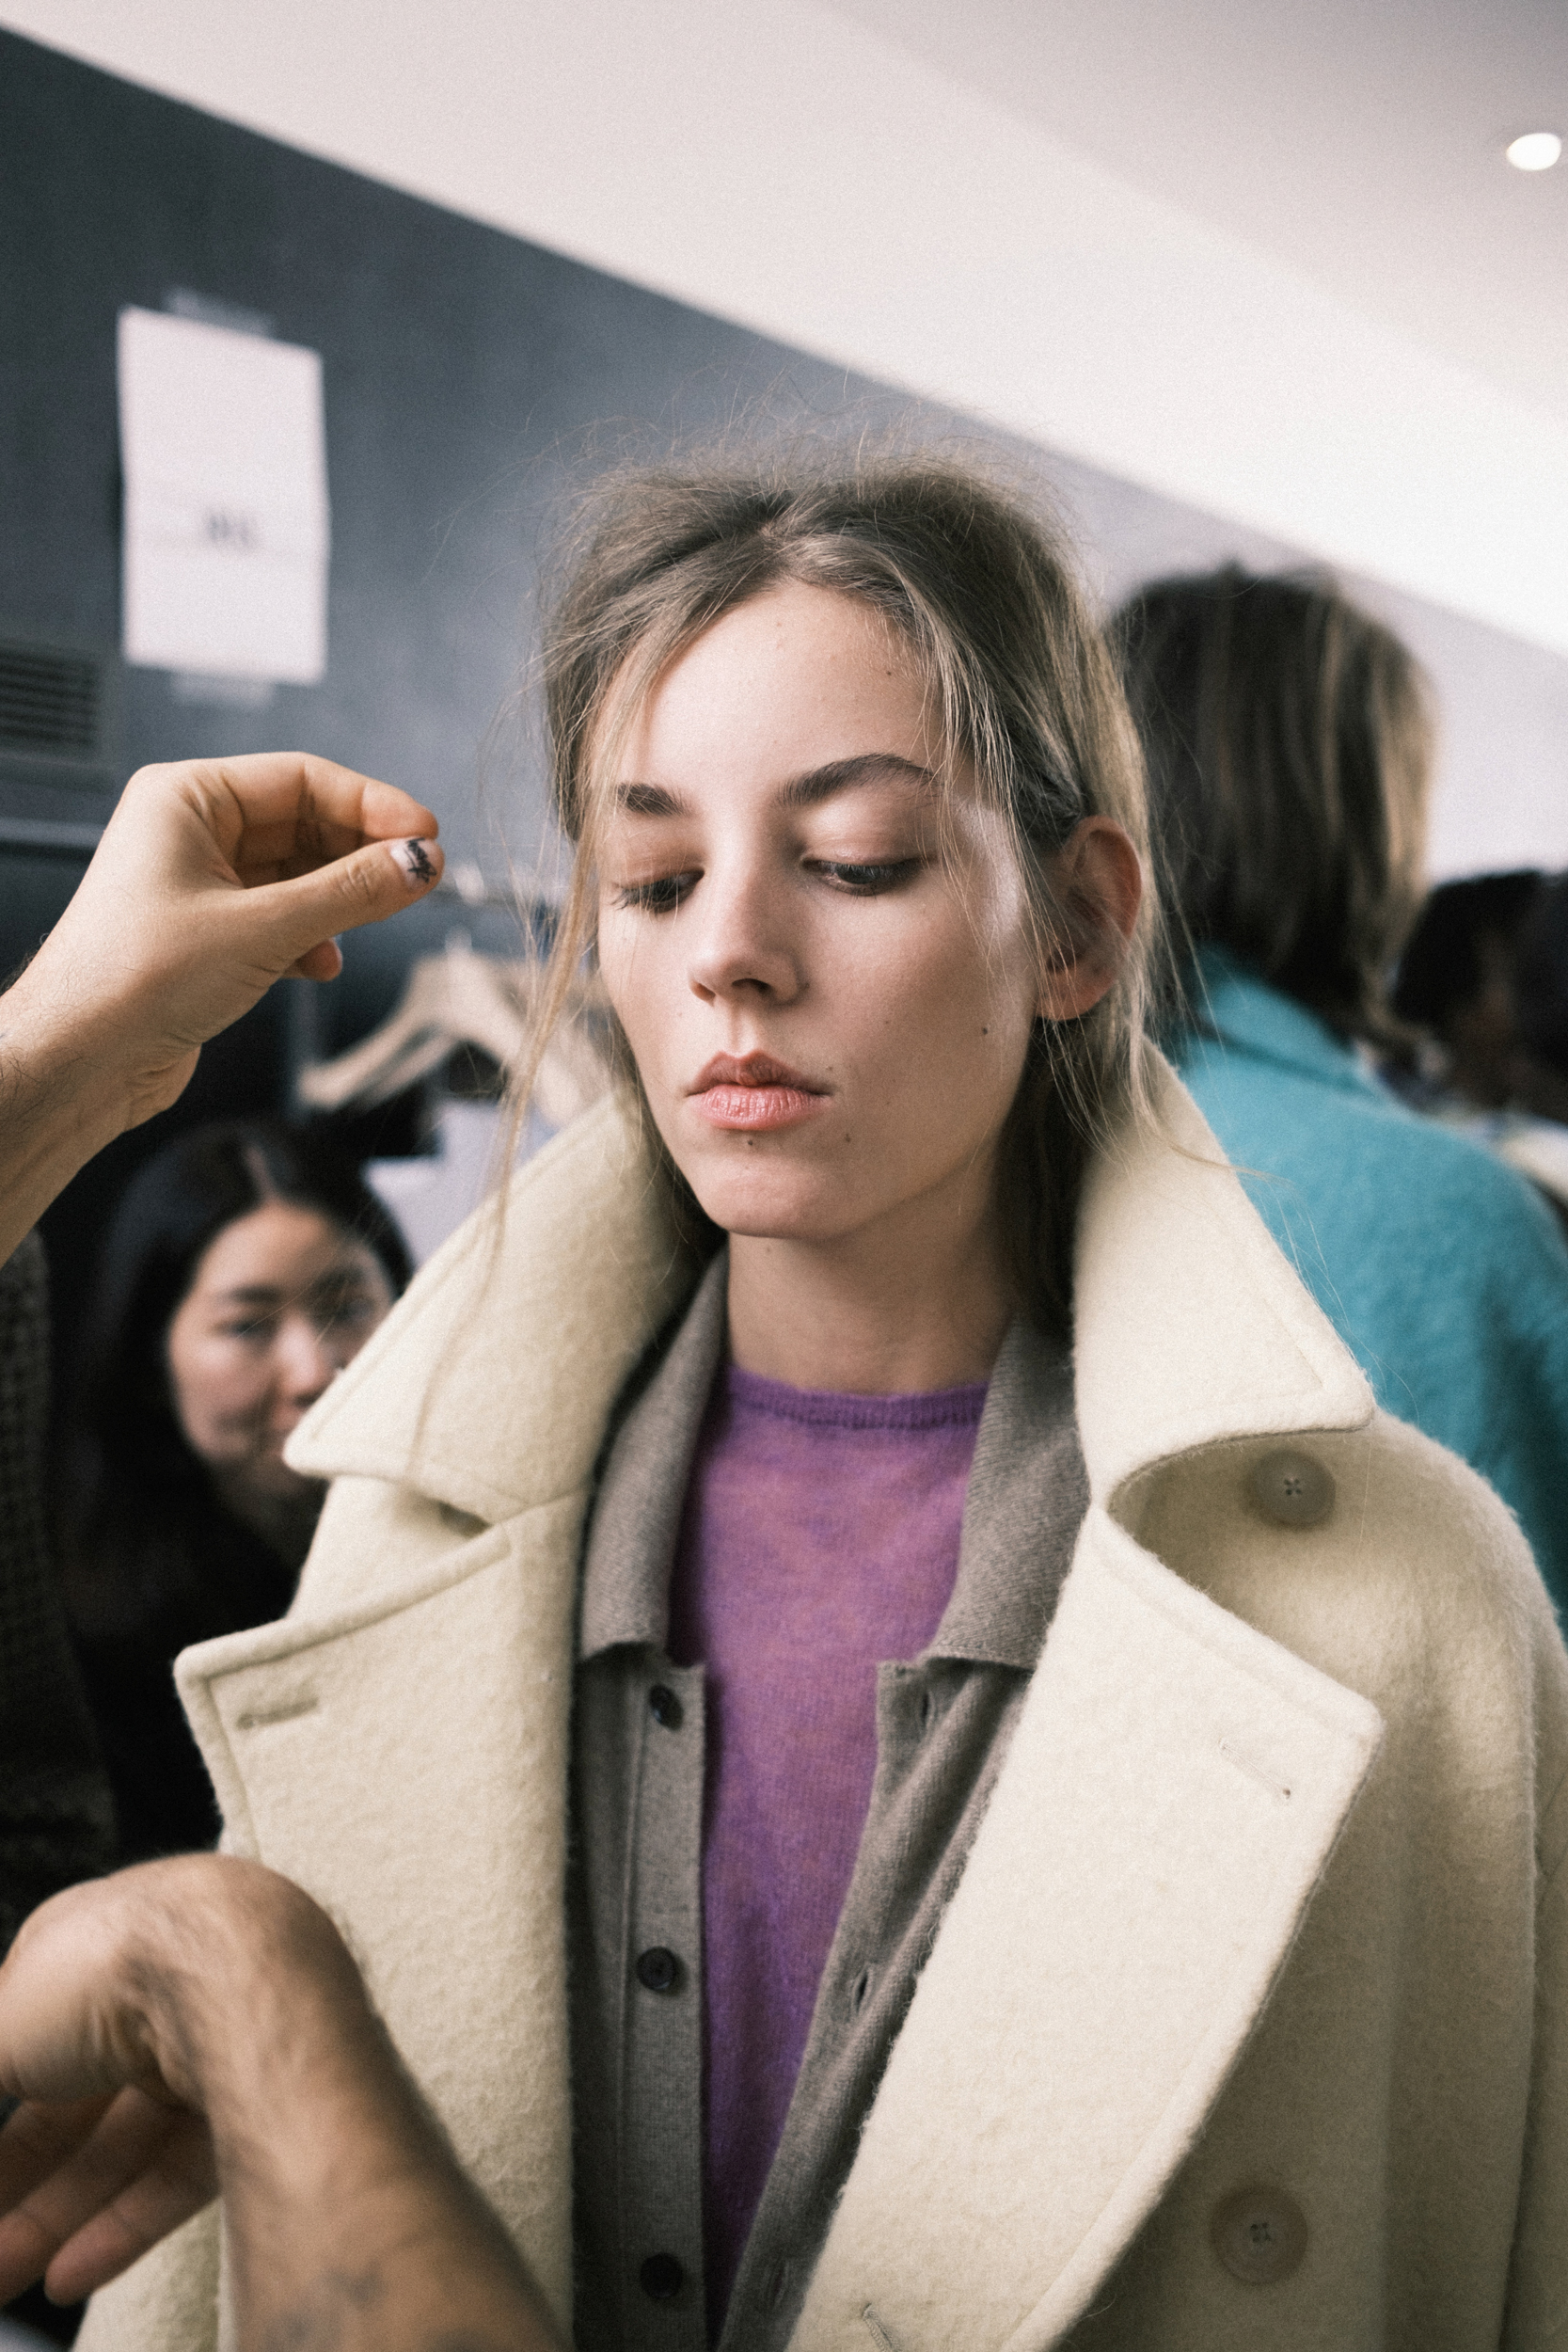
(214, 878)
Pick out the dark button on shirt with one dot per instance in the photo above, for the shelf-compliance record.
(943, 1722)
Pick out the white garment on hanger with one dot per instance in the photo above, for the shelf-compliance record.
(430, 1196)
(461, 998)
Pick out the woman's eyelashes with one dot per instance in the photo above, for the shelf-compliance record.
(663, 894)
(865, 880)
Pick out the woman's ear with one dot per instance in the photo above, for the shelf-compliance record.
(1096, 882)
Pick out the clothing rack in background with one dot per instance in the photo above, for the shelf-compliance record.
(455, 1005)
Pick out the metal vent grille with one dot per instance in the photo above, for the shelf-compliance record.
(50, 702)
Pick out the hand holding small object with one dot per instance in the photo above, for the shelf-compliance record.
(213, 879)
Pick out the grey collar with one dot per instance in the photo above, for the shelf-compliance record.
(1027, 1494)
(636, 1519)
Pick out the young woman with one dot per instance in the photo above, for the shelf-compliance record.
(247, 1265)
(909, 1760)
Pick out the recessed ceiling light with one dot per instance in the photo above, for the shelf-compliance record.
(1537, 151)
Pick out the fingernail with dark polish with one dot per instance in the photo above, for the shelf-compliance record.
(415, 861)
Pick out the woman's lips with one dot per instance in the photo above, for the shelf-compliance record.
(755, 1092)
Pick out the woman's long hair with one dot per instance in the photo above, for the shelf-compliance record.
(136, 1500)
(980, 589)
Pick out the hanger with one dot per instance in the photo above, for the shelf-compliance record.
(461, 998)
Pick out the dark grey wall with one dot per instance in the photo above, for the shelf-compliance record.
(461, 369)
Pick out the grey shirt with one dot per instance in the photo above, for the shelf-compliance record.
(943, 1722)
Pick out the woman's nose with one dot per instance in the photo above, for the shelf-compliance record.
(306, 1363)
(743, 940)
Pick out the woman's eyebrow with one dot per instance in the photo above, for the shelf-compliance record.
(819, 783)
(841, 776)
(336, 1279)
(648, 800)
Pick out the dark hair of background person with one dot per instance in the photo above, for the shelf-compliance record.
(1541, 1003)
(1456, 979)
(150, 1560)
(1289, 741)
(1442, 968)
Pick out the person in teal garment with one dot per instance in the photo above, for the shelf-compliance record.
(1289, 742)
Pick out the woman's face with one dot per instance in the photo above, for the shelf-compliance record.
(829, 1016)
(281, 1300)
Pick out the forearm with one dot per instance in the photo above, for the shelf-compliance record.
(346, 2214)
(59, 1104)
(196, 2026)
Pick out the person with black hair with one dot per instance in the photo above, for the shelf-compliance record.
(1457, 980)
(247, 1264)
(1485, 976)
(1541, 1006)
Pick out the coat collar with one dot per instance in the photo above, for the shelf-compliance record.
(1189, 1326)
(1024, 1503)
(490, 1386)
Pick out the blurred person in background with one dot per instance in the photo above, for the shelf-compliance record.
(1288, 740)
(1485, 974)
(1541, 1008)
(1456, 982)
(245, 1266)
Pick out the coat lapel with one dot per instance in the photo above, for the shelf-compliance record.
(406, 1763)
(1173, 1791)
(1171, 1797)
(398, 1745)
(490, 1385)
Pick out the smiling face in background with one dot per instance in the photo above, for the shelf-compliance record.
(829, 1016)
(280, 1301)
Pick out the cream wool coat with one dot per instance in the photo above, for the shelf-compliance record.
(1268, 1894)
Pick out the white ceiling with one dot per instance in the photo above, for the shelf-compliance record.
(1261, 256)
(1356, 141)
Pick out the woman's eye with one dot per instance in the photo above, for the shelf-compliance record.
(866, 881)
(250, 1328)
(348, 1316)
(659, 896)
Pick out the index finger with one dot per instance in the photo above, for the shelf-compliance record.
(286, 813)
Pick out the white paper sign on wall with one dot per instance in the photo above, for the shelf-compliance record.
(227, 523)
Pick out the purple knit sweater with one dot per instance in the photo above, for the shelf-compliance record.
(820, 1538)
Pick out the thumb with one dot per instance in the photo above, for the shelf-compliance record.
(297, 920)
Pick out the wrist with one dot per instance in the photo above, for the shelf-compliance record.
(231, 1982)
(66, 1083)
